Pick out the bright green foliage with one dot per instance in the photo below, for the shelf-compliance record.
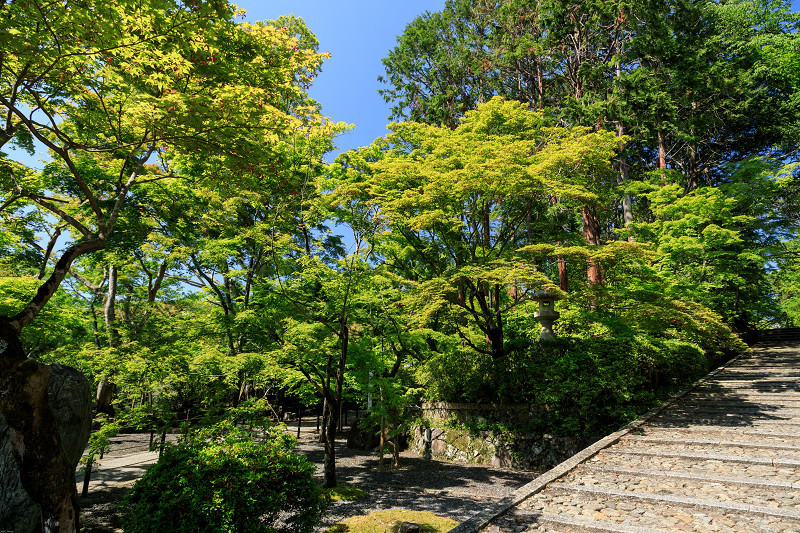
(709, 81)
(700, 250)
(454, 206)
(593, 386)
(62, 323)
(234, 485)
(126, 95)
(786, 281)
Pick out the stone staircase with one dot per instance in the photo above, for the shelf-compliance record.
(724, 457)
(779, 335)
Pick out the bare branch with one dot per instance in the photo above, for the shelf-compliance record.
(10, 201)
(96, 289)
(50, 245)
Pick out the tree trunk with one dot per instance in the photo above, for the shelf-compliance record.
(662, 152)
(45, 470)
(329, 464)
(622, 179)
(109, 310)
(591, 234)
(563, 280)
(105, 389)
(495, 337)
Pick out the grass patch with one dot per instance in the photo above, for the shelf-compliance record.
(345, 494)
(389, 522)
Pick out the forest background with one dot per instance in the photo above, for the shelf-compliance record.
(188, 247)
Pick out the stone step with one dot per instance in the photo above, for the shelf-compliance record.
(742, 434)
(746, 401)
(660, 513)
(732, 387)
(758, 371)
(734, 408)
(567, 524)
(694, 443)
(739, 481)
(776, 381)
(710, 488)
(661, 499)
(668, 420)
(701, 465)
(789, 462)
(773, 361)
(724, 412)
(743, 395)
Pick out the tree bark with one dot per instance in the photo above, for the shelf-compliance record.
(591, 234)
(563, 280)
(662, 152)
(105, 389)
(329, 463)
(622, 179)
(495, 336)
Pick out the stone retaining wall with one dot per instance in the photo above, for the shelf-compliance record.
(465, 413)
(517, 451)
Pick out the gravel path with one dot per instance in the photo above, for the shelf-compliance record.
(448, 489)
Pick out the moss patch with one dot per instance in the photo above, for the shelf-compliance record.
(345, 494)
(389, 522)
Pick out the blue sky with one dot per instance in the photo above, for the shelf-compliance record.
(358, 35)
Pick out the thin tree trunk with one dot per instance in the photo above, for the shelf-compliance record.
(109, 311)
(591, 234)
(329, 463)
(563, 279)
(622, 179)
(105, 389)
(94, 325)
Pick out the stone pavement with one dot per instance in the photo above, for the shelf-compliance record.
(724, 456)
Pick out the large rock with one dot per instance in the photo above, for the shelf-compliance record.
(70, 399)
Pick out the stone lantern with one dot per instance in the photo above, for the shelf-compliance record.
(546, 314)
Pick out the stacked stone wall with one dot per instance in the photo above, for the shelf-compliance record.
(506, 449)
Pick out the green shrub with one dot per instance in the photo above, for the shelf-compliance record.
(585, 386)
(236, 485)
(458, 376)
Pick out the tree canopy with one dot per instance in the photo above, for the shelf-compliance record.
(187, 247)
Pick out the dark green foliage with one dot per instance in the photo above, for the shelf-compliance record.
(593, 386)
(585, 387)
(237, 485)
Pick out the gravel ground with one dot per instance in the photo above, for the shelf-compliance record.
(445, 488)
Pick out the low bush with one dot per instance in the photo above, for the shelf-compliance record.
(233, 485)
